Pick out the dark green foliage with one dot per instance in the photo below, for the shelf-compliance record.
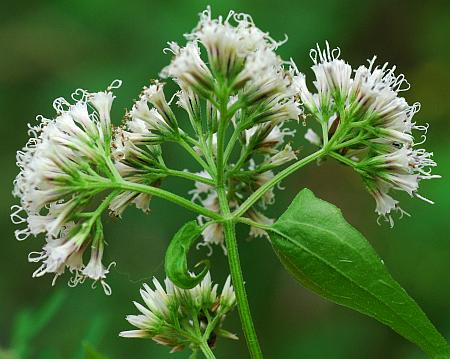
(327, 255)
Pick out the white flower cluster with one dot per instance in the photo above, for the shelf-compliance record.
(172, 316)
(243, 56)
(238, 97)
(368, 124)
(136, 149)
(62, 159)
(261, 96)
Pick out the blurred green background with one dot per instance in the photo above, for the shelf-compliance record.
(50, 48)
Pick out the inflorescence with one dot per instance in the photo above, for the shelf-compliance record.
(368, 125)
(60, 169)
(183, 318)
(75, 166)
(243, 70)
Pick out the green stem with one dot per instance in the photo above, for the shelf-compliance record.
(343, 159)
(194, 154)
(112, 168)
(206, 350)
(189, 176)
(279, 177)
(252, 223)
(231, 143)
(204, 147)
(239, 288)
(207, 152)
(342, 127)
(242, 159)
(212, 323)
(203, 343)
(349, 143)
(324, 132)
(158, 192)
(248, 173)
(104, 205)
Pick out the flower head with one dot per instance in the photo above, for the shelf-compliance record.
(170, 314)
(368, 125)
(62, 159)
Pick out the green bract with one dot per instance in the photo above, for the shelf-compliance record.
(176, 257)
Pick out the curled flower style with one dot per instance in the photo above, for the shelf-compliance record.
(368, 125)
(61, 167)
(183, 318)
(189, 68)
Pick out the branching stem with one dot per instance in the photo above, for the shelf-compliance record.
(250, 201)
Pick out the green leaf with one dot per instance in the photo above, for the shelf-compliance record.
(327, 255)
(176, 257)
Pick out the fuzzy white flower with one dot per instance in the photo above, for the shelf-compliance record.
(188, 67)
(144, 120)
(155, 95)
(60, 150)
(229, 44)
(136, 153)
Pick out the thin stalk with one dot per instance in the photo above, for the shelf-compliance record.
(204, 147)
(324, 133)
(242, 159)
(171, 197)
(231, 143)
(252, 223)
(239, 288)
(104, 205)
(343, 159)
(207, 153)
(342, 127)
(194, 154)
(112, 168)
(189, 176)
(349, 143)
(211, 325)
(203, 343)
(248, 173)
(206, 350)
(250, 201)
